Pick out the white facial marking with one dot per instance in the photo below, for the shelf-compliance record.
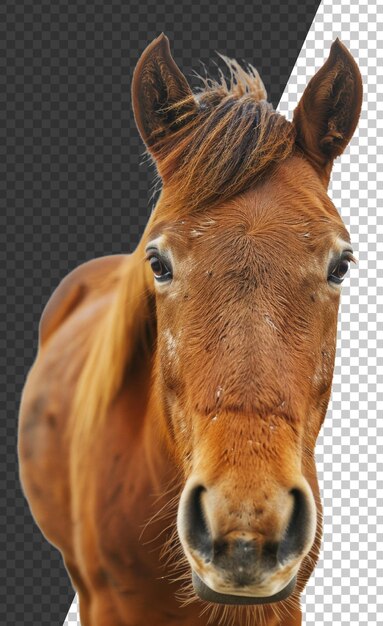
(171, 343)
(269, 321)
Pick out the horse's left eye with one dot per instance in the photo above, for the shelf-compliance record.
(339, 271)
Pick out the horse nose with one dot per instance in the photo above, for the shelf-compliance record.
(252, 548)
(241, 556)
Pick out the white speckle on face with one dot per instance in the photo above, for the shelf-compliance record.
(195, 233)
(270, 321)
(323, 370)
(171, 343)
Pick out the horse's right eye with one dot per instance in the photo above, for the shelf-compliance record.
(161, 271)
(340, 268)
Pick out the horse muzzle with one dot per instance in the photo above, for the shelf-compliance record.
(248, 557)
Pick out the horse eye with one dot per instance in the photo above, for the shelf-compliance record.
(160, 270)
(339, 271)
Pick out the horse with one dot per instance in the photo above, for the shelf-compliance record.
(168, 425)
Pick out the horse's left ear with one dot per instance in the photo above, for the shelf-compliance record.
(161, 95)
(328, 112)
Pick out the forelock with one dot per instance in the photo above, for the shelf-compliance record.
(232, 140)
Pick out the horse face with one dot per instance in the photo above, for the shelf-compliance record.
(247, 299)
(247, 292)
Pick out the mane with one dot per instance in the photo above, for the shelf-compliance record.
(228, 145)
(120, 338)
(225, 145)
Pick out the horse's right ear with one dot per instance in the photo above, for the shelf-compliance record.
(328, 112)
(161, 95)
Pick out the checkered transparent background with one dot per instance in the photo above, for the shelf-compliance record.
(347, 586)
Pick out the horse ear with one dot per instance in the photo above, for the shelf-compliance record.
(328, 112)
(160, 95)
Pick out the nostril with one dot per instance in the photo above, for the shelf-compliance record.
(197, 531)
(298, 529)
(270, 554)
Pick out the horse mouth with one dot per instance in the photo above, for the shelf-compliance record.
(205, 593)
